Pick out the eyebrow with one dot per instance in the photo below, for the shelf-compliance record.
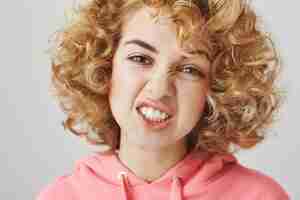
(151, 48)
(143, 44)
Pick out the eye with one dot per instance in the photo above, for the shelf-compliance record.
(141, 59)
(191, 70)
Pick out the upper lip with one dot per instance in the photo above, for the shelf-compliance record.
(157, 105)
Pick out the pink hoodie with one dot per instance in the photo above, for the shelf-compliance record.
(196, 177)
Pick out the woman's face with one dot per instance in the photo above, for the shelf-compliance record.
(146, 52)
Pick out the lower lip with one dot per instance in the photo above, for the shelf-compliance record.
(152, 124)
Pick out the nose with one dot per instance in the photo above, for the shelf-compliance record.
(160, 84)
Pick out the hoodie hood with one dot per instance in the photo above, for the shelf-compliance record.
(189, 174)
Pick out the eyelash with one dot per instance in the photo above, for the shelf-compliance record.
(131, 58)
(198, 72)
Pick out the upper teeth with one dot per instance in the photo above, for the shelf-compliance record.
(152, 113)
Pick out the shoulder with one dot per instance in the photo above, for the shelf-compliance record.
(59, 189)
(257, 183)
(67, 186)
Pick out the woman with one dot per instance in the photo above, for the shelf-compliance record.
(173, 88)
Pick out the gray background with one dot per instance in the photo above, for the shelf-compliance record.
(34, 148)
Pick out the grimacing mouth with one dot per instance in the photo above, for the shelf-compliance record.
(139, 111)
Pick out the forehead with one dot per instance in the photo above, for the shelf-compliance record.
(160, 32)
(141, 24)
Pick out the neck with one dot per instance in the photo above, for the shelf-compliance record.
(151, 164)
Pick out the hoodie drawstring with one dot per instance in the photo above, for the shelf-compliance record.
(124, 185)
(176, 188)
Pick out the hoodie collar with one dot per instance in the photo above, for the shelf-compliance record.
(175, 193)
(183, 169)
(108, 166)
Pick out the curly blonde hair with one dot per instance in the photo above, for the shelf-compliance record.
(245, 65)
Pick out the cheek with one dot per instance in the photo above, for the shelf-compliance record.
(192, 102)
(125, 84)
(197, 101)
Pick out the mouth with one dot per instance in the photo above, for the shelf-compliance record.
(154, 125)
(156, 105)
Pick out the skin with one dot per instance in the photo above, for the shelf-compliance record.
(150, 153)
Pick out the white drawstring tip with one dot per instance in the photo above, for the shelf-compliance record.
(121, 174)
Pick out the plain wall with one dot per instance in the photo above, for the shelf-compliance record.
(34, 149)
